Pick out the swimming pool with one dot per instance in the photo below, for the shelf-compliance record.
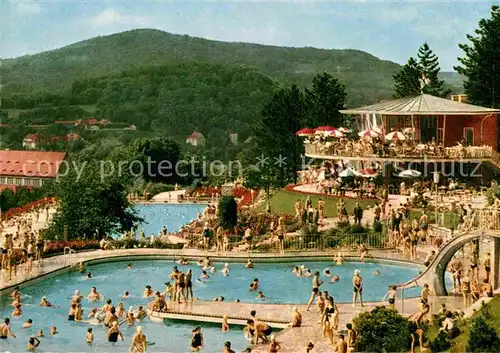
(173, 216)
(278, 283)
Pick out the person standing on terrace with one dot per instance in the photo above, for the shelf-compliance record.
(321, 210)
(357, 213)
(206, 236)
(298, 211)
(315, 289)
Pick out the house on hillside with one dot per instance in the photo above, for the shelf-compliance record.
(233, 137)
(196, 139)
(29, 168)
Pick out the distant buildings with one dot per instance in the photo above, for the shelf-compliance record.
(29, 168)
(196, 139)
(32, 141)
(462, 98)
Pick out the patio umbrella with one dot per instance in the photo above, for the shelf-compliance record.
(395, 136)
(305, 132)
(348, 173)
(367, 172)
(325, 128)
(335, 133)
(409, 173)
(368, 133)
(344, 130)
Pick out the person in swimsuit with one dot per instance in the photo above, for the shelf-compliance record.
(53, 331)
(139, 343)
(227, 347)
(341, 345)
(357, 283)
(72, 312)
(148, 292)
(315, 289)
(426, 292)
(351, 338)
(181, 288)
(17, 311)
(391, 296)
(45, 303)
(5, 330)
(274, 346)
(249, 264)
(114, 333)
(254, 285)
(94, 295)
(89, 338)
(225, 325)
(297, 318)
(33, 344)
(110, 317)
(196, 340)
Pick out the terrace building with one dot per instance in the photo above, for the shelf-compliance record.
(434, 129)
(29, 168)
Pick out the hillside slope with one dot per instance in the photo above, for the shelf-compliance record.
(368, 79)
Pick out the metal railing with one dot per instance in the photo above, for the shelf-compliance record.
(293, 242)
(68, 256)
(332, 149)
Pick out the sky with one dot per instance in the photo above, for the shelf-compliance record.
(390, 30)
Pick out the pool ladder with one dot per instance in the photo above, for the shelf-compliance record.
(69, 256)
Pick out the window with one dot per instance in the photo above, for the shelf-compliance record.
(36, 182)
(28, 182)
(469, 136)
(9, 181)
(2, 180)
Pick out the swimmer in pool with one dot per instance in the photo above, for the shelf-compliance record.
(18, 312)
(377, 273)
(148, 292)
(182, 261)
(53, 331)
(225, 270)
(94, 295)
(213, 270)
(45, 303)
(129, 266)
(308, 273)
(327, 273)
(89, 275)
(339, 260)
(76, 298)
(126, 295)
(260, 295)
(335, 279)
(219, 299)
(28, 323)
(299, 272)
(249, 264)
(89, 338)
(204, 275)
(254, 285)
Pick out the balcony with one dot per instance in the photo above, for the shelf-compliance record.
(355, 150)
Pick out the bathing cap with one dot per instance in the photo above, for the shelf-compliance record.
(138, 329)
(357, 272)
(77, 292)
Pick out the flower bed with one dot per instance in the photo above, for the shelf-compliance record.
(14, 212)
(57, 247)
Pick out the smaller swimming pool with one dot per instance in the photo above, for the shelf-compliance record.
(172, 216)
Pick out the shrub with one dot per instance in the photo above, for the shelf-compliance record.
(228, 212)
(441, 343)
(382, 330)
(377, 227)
(482, 337)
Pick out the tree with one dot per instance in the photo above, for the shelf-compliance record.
(228, 212)
(382, 330)
(429, 69)
(482, 337)
(324, 100)
(159, 157)
(278, 147)
(91, 203)
(406, 81)
(481, 62)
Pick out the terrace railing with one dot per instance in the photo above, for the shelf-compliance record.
(452, 153)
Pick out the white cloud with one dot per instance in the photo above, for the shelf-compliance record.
(28, 8)
(111, 17)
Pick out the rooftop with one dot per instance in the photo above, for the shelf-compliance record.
(423, 104)
(30, 163)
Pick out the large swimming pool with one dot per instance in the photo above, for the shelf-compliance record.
(278, 283)
(172, 216)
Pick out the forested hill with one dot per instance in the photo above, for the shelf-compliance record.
(367, 78)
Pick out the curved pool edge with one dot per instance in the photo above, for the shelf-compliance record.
(55, 265)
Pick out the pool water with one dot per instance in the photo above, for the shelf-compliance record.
(173, 216)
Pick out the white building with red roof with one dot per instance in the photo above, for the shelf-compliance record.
(29, 168)
(196, 139)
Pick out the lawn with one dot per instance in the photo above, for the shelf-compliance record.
(283, 201)
(459, 344)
